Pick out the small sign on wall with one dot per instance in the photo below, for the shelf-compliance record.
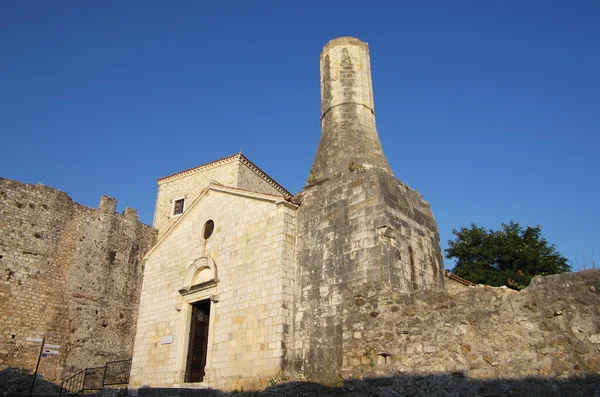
(167, 339)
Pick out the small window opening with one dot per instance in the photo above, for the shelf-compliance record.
(384, 358)
(209, 227)
(178, 207)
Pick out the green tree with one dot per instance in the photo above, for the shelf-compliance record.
(510, 256)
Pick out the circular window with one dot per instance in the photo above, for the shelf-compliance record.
(209, 227)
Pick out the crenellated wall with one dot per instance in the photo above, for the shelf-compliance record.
(70, 273)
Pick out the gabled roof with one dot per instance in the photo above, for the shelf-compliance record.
(216, 186)
(226, 160)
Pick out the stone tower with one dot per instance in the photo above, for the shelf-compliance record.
(357, 223)
(347, 111)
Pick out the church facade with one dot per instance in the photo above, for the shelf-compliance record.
(246, 282)
(217, 291)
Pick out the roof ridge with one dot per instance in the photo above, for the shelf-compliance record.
(219, 187)
(198, 167)
(243, 159)
(458, 278)
(265, 176)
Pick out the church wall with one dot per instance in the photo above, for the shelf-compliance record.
(253, 248)
(249, 180)
(189, 187)
(71, 274)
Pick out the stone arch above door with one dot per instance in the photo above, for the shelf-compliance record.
(202, 272)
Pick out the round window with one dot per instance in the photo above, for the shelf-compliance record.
(209, 227)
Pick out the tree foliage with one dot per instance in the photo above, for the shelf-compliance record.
(510, 256)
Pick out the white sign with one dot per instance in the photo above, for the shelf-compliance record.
(49, 346)
(50, 351)
(167, 339)
(34, 339)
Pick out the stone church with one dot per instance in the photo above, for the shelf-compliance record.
(246, 281)
(239, 284)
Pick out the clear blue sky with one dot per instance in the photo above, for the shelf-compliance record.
(491, 109)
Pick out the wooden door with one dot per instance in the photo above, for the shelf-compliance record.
(198, 348)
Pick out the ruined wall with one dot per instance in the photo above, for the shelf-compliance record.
(71, 274)
(551, 329)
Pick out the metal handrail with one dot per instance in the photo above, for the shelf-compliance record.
(73, 385)
(116, 373)
(91, 379)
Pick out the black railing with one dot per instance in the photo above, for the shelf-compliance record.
(117, 372)
(92, 379)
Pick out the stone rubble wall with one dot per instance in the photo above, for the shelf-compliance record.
(551, 329)
(69, 273)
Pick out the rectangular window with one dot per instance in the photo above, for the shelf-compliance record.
(178, 207)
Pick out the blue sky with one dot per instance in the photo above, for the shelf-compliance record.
(491, 109)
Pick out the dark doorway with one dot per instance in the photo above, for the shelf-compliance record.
(198, 349)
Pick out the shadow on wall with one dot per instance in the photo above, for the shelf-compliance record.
(411, 385)
(18, 381)
(15, 382)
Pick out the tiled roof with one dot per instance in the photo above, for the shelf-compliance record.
(225, 160)
(458, 279)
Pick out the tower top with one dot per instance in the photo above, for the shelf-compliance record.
(346, 40)
(349, 139)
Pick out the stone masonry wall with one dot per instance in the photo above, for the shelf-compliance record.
(348, 131)
(253, 250)
(249, 180)
(231, 171)
(551, 329)
(189, 187)
(71, 274)
(366, 227)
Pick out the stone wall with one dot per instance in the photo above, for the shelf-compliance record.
(348, 131)
(551, 330)
(368, 227)
(248, 179)
(234, 171)
(71, 274)
(357, 223)
(249, 261)
(189, 185)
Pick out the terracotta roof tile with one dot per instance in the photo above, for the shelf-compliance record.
(458, 279)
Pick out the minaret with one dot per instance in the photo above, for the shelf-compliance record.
(357, 225)
(349, 138)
